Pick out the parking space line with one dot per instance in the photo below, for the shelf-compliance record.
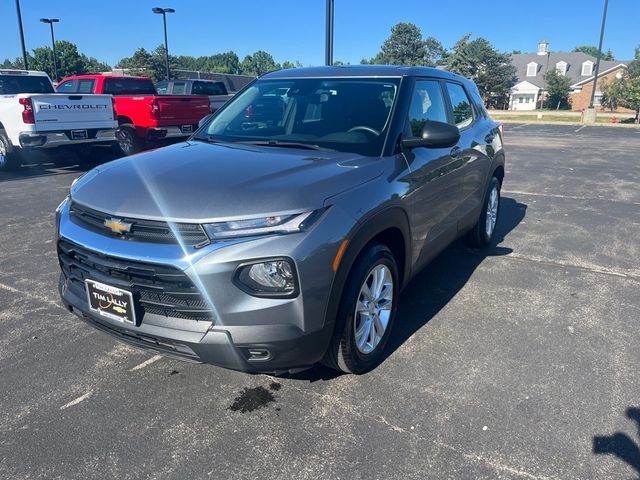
(146, 363)
(561, 264)
(11, 289)
(568, 197)
(81, 398)
(583, 126)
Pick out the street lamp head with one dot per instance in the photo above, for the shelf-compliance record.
(162, 10)
(49, 20)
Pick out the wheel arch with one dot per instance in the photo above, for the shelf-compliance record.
(390, 227)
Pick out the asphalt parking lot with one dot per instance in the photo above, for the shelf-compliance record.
(519, 362)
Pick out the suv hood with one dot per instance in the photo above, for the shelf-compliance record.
(201, 182)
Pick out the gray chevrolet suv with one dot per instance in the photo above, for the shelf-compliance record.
(281, 233)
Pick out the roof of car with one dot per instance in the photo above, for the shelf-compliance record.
(362, 71)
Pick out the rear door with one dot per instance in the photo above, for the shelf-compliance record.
(474, 136)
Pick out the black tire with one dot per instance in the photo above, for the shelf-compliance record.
(478, 237)
(10, 158)
(128, 141)
(343, 354)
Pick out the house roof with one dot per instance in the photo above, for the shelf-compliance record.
(574, 62)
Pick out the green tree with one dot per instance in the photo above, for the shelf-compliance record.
(151, 64)
(70, 61)
(404, 46)
(259, 63)
(558, 88)
(593, 51)
(287, 64)
(492, 71)
(459, 60)
(625, 91)
(434, 52)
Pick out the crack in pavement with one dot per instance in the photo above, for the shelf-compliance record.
(498, 466)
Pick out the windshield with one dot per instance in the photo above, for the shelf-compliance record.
(348, 115)
(14, 84)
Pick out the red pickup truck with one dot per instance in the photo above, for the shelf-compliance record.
(143, 116)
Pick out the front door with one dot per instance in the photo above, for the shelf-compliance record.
(434, 183)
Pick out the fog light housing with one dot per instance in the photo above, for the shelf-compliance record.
(275, 277)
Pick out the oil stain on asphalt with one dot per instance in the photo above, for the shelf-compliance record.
(254, 398)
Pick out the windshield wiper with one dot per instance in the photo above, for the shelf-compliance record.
(278, 143)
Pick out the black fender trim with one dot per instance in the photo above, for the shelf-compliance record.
(362, 233)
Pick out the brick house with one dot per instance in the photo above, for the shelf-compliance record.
(579, 67)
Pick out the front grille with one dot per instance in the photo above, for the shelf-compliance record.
(159, 289)
(150, 231)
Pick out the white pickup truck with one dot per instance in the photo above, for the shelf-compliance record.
(33, 116)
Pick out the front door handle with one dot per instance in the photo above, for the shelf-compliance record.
(455, 152)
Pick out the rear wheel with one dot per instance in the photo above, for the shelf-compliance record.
(366, 313)
(9, 157)
(128, 141)
(482, 232)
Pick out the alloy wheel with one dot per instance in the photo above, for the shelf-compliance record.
(3, 154)
(492, 211)
(373, 309)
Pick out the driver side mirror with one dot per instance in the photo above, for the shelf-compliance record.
(434, 135)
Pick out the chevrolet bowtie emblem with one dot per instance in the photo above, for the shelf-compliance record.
(116, 225)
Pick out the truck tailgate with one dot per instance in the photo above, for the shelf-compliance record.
(63, 111)
(178, 110)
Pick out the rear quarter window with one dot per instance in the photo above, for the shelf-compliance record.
(208, 88)
(129, 86)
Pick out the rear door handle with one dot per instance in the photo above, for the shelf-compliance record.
(455, 152)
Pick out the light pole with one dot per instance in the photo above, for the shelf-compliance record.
(328, 41)
(163, 12)
(24, 50)
(590, 117)
(51, 21)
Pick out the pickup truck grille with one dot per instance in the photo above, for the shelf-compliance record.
(150, 231)
(159, 289)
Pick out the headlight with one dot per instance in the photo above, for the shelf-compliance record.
(277, 224)
(269, 278)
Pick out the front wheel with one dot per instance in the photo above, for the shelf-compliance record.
(366, 313)
(482, 232)
(9, 156)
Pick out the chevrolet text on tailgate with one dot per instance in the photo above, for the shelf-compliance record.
(33, 116)
(281, 233)
(143, 116)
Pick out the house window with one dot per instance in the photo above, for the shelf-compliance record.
(587, 68)
(532, 69)
(520, 100)
(561, 67)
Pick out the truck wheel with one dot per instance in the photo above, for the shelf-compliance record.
(366, 313)
(128, 142)
(482, 232)
(9, 157)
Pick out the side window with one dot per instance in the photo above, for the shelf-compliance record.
(161, 88)
(68, 87)
(178, 88)
(461, 105)
(85, 86)
(426, 104)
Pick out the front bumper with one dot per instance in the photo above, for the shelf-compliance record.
(247, 333)
(64, 138)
